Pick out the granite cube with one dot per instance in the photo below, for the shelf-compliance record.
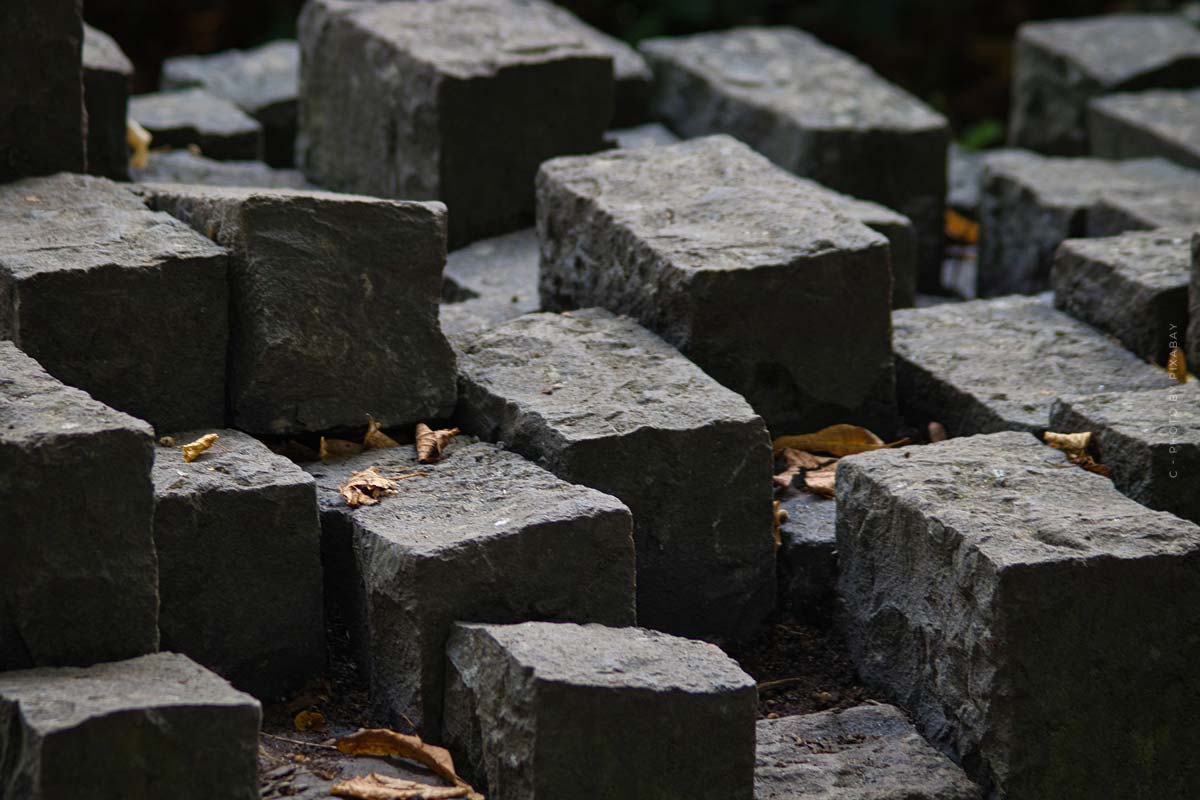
(813, 110)
(1165, 195)
(335, 304)
(128, 305)
(1149, 440)
(158, 727)
(807, 556)
(43, 124)
(993, 365)
(193, 117)
(1035, 621)
(541, 710)
(78, 575)
(239, 563)
(490, 282)
(600, 401)
(481, 535)
(721, 252)
(107, 75)
(1059, 65)
(1162, 123)
(448, 101)
(1133, 286)
(867, 752)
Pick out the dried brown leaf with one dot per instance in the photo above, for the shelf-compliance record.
(821, 481)
(383, 787)
(375, 438)
(779, 517)
(1177, 365)
(192, 450)
(836, 440)
(937, 433)
(309, 721)
(338, 448)
(366, 487)
(384, 742)
(1070, 443)
(431, 443)
(137, 139)
(961, 229)
(794, 462)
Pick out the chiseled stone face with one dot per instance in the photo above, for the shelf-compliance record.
(1019, 605)
(720, 252)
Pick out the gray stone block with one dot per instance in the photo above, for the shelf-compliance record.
(78, 577)
(239, 563)
(490, 282)
(718, 251)
(43, 125)
(448, 101)
(159, 727)
(194, 117)
(1193, 331)
(1133, 286)
(263, 81)
(867, 752)
(1149, 440)
(815, 111)
(650, 134)
(1034, 620)
(993, 365)
(807, 556)
(1163, 123)
(129, 305)
(481, 535)
(182, 166)
(107, 76)
(1059, 65)
(1030, 204)
(540, 710)
(334, 302)
(602, 402)
(964, 174)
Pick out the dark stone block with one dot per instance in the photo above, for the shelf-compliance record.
(490, 282)
(807, 556)
(107, 75)
(1162, 123)
(194, 117)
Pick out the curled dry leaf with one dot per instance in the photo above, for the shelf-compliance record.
(780, 516)
(338, 448)
(138, 140)
(192, 450)
(794, 462)
(937, 433)
(821, 481)
(1177, 365)
(383, 787)
(1075, 445)
(836, 440)
(376, 439)
(367, 486)
(431, 443)
(309, 721)
(384, 742)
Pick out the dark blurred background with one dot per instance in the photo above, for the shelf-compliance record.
(953, 53)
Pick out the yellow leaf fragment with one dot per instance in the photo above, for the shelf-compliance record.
(383, 787)
(1069, 443)
(821, 481)
(836, 440)
(1177, 365)
(383, 742)
(338, 448)
(366, 487)
(309, 721)
(137, 139)
(375, 438)
(779, 517)
(961, 229)
(192, 450)
(431, 443)
(794, 462)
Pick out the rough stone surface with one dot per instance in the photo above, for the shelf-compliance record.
(721, 253)
(43, 127)
(540, 710)
(448, 101)
(864, 753)
(1193, 331)
(807, 556)
(490, 282)
(992, 365)
(1164, 123)
(815, 111)
(129, 305)
(650, 134)
(107, 75)
(1150, 441)
(195, 117)
(481, 535)
(1025, 612)
(239, 561)
(600, 401)
(1133, 286)
(1059, 65)
(334, 302)
(78, 579)
(263, 81)
(159, 727)
(1030, 204)
(182, 166)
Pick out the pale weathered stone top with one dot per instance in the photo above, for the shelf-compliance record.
(1172, 114)
(244, 193)
(618, 658)
(236, 460)
(69, 222)
(791, 72)
(1019, 502)
(251, 79)
(711, 204)
(1169, 416)
(34, 406)
(628, 63)
(1119, 47)
(1159, 259)
(191, 108)
(590, 375)
(103, 54)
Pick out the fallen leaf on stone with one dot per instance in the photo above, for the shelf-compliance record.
(821, 481)
(780, 516)
(192, 450)
(138, 140)
(431, 443)
(961, 229)
(383, 742)
(382, 787)
(937, 433)
(366, 487)
(309, 721)
(1177, 365)
(338, 448)
(375, 438)
(166, 441)
(1075, 445)
(836, 440)
(794, 462)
